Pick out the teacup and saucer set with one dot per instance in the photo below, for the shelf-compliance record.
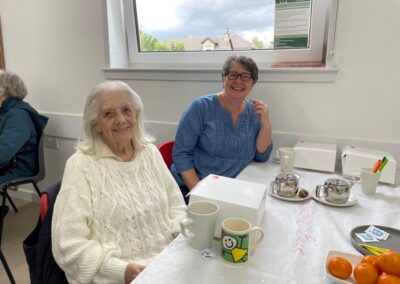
(335, 192)
(286, 187)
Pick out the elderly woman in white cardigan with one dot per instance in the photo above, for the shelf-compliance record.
(119, 206)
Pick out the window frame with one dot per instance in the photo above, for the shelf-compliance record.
(119, 67)
(202, 59)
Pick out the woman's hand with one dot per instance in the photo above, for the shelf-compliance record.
(264, 138)
(132, 270)
(262, 110)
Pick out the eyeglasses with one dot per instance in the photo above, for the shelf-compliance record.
(232, 75)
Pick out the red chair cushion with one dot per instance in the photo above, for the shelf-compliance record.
(166, 152)
(44, 204)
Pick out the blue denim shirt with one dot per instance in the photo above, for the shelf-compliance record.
(207, 140)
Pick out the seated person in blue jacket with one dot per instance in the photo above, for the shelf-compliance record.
(21, 127)
(222, 133)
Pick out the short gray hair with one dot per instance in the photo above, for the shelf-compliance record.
(247, 62)
(11, 85)
(91, 138)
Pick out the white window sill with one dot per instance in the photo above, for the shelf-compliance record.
(292, 74)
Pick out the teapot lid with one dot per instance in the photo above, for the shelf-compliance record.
(336, 182)
(287, 176)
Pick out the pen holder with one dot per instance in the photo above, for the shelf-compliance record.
(368, 179)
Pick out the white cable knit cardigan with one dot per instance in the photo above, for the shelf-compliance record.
(109, 213)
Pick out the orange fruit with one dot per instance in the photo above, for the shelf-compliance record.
(373, 260)
(365, 273)
(389, 262)
(339, 267)
(388, 279)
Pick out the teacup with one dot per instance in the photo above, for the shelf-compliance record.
(199, 226)
(334, 190)
(239, 239)
(285, 184)
(287, 156)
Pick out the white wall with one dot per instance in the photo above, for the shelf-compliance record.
(57, 47)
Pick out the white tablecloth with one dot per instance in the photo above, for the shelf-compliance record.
(297, 237)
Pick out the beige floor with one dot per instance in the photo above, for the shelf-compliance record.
(17, 226)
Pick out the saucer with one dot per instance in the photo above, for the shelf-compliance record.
(276, 160)
(350, 202)
(295, 198)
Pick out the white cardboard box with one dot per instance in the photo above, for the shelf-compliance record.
(235, 198)
(354, 158)
(315, 156)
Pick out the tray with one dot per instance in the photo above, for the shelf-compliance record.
(392, 243)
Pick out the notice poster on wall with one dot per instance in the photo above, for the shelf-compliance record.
(292, 23)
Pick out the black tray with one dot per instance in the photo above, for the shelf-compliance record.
(392, 243)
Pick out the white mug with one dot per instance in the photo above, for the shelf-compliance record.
(199, 226)
(287, 156)
(369, 180)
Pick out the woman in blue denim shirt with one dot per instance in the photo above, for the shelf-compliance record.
(20, 129)
(222, 133)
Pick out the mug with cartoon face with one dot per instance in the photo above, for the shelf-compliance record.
(239, 239)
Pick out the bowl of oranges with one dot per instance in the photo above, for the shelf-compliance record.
(349, 268)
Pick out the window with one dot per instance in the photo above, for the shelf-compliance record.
(189, 26)
(201, 34)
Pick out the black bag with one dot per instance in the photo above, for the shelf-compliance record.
(37, 248)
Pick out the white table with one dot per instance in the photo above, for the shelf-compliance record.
(297, 237)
